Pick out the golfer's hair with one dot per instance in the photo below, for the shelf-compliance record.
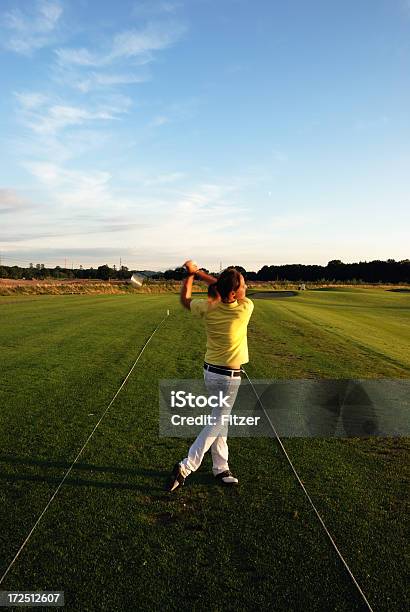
(229, 280)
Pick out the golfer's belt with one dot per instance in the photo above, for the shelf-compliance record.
(232, 372)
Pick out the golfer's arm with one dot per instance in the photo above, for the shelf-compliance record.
(209, 280)
(186, 291)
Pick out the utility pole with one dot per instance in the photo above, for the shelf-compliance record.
(65, 262)
(220, 266)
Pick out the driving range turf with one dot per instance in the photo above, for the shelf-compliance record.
(112, 539)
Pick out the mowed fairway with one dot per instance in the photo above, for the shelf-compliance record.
(113, 540)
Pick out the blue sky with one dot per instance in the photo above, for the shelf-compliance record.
(240, 131)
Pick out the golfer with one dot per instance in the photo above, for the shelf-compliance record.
(225, 313)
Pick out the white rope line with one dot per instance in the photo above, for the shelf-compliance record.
(310, 500)
(79, 454)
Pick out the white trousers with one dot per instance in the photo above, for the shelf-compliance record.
(214, 436)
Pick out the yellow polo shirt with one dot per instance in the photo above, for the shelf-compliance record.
(226, 328)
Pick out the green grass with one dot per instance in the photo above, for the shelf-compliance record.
(113, 540)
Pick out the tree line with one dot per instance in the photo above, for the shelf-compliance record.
(376, 271)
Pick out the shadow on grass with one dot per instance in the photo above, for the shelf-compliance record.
(157, 477)
(267, 295)
(65, 464)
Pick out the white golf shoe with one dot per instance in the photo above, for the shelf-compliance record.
(227, 478)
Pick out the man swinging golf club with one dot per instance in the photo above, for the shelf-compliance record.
(226, 315)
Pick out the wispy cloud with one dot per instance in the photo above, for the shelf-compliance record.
(101, 80)
(72, 187)
(159, 120)
(58, 117)
(45, 117)
(120, 61)
(60, 124)
(31, 100)
(153, 37)
(155, 7)
(78, 57)
(89, 198)
(73, 229)
(82, 192)
(12, 202)
(33, 29)
(209, 207)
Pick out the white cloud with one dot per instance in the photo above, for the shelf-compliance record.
(44, 117)
(159, 120)
(121, 61)
(58, 117)
(53, 175)
(46, 172)
(153, 37)
(11, 201)
(153, 7)
(74, 189)
(125, 45)
(95, 80)
(207, 210)
(80, 57)
(62, 126)
(49, 14)
(31, 100)
(34, 28)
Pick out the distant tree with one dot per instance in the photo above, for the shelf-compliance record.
(376, 271)
(176, 274)
(104, 272)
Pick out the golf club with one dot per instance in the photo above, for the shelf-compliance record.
(137, 279)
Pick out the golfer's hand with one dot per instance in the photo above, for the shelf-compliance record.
(191, 266)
